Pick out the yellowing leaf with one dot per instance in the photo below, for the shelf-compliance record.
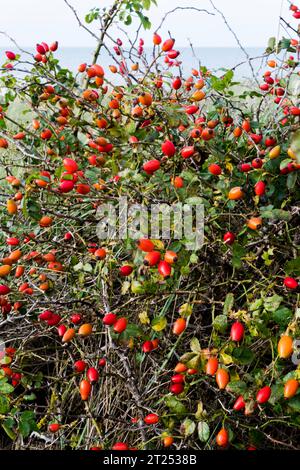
(125, 287)
(159, 323)
(234, 376)
(226, 358)
(195, 345)
(186, 310)
(297, 373)
(144, 319)
(159, 245)
(229, 166)
(295, 145)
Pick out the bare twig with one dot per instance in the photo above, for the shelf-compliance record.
(201, 10)
(237, 39)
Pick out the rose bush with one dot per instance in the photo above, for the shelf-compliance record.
(119, 344)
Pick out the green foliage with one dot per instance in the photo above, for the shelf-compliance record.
(109, 131)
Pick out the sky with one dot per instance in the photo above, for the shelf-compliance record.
(254, 21)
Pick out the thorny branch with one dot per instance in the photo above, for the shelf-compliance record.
(201, 10)
(236, 38)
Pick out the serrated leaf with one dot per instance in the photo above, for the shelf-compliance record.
(220, 323)
(187, 356)
(237, 387)
(291, 180)
(132, 331)
(276, 214)
(194, 362)
(88, 268)
(188, 427)
(226, 358)
(125, 287)
(27, 423)
(159, 323)
(295, 144)
(11, 434)
(293, 267)
(294, 403)
(6, 388)
(185, 310)
(243, 355)
(4, 405)
(238, 252)
(78, 266)
(203, 431)
(282, 316)
(271, 44)
(175, 405)
(272, 303)
(194, 258)
(195, 345)
(200, 410)
(143, 317)
(228, 304)
(194, 201)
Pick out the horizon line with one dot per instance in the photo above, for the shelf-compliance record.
(146, 46)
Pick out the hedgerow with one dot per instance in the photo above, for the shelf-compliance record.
(124, 343)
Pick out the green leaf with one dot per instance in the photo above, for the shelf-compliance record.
(277, 393)
(128, 20)
(27, 423)
(8, 429)
(243, 355)
(295, 144)
(4, 405)
(144, 20)
(282, 316)
(78, 266)
(5, 360)
(146, 4)
(137, 287)
(293, 267)
(238, 252)
(256, 437)
(272, 303)
(92, 15)
(291, 180)
(30, 397)
(276, 214)
(175, 405)
(88, 18)
(220, 323)
(159, 323)
(266, 256)
(185, 310)
(228, 304)
(194, 201)
(203, 431)
(32, 208)
(6, 388)
(200, 411)
(237, 387)
(294, 403)
(271, 44)
(194, 258)
(284, 163)
(88, 268)
(195, 345)
(132, 331)
(188, 427)
(284, 43)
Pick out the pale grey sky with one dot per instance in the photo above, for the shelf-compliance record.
(254, 21)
